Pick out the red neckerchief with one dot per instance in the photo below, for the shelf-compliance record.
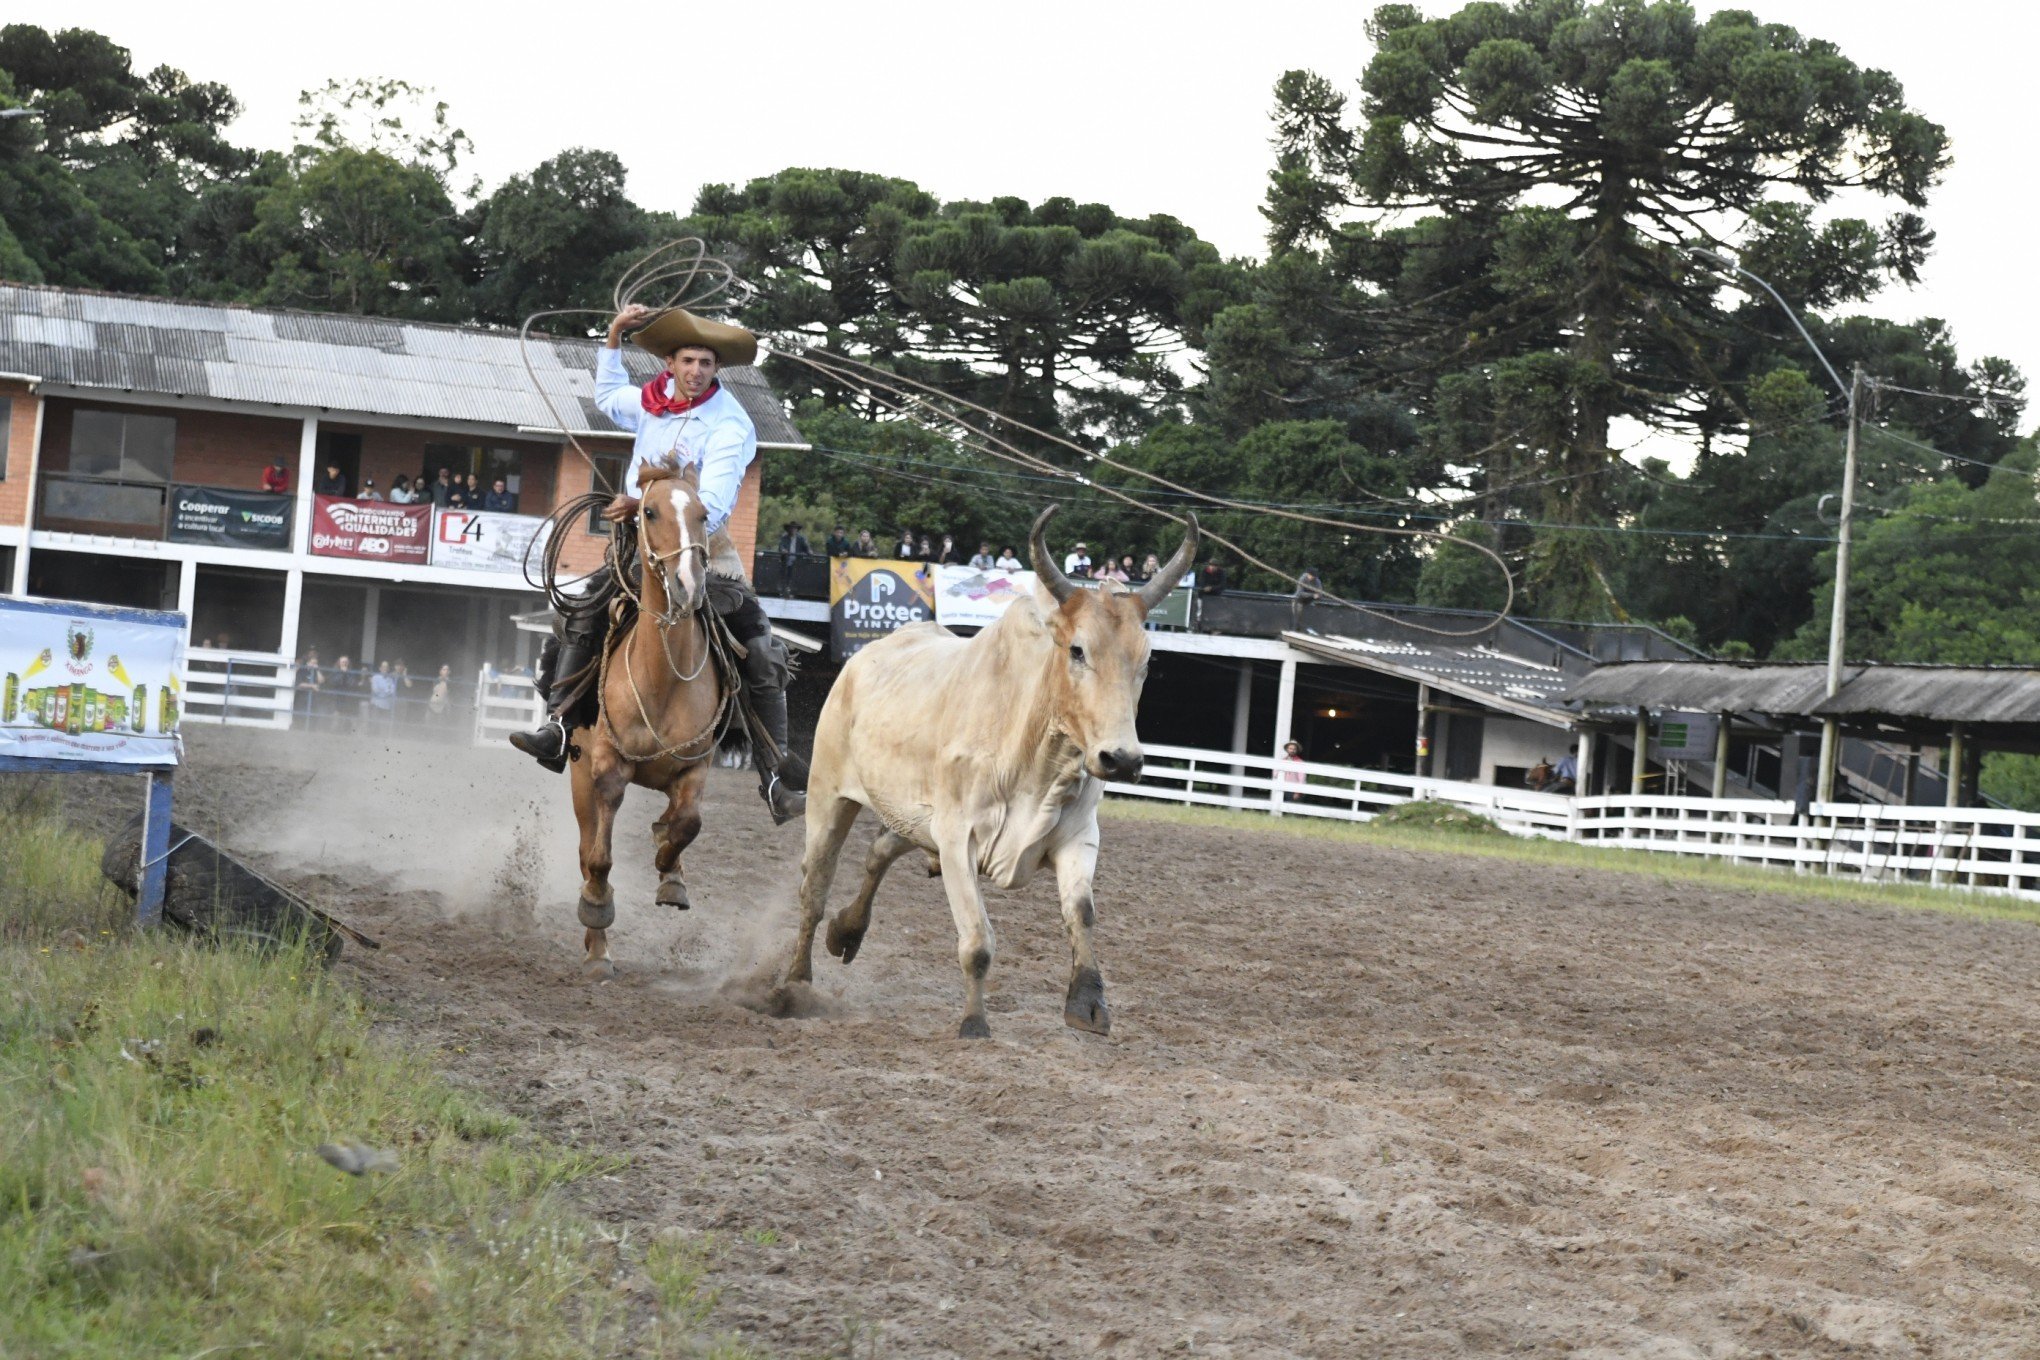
(655, 401)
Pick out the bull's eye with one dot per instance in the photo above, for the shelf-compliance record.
(1076, 654)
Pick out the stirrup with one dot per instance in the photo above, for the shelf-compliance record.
(524, 741)
(784, 803)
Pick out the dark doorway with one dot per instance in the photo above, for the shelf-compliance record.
(102, 580)
(338, 449)
(238, 610)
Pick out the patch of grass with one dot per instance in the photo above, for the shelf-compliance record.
(1665, 868)
(49, 871)
(1421, 814)
(161, 1193)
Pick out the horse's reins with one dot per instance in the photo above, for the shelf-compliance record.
(713, 649)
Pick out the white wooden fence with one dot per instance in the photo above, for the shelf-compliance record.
(505, 704)
(238, 689)
(1981, 848)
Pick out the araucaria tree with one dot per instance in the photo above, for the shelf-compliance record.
(1503, 230)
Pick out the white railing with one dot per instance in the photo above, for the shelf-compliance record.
(238, 689)
(1981, 848)
(505, 704)
(1182, 774)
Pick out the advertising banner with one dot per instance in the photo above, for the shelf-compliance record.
(229, 518)
(375, 530)
(967, 597)
(970, 597)
(1687, 736)
(869, 598)
(483, 540)
(90, 682)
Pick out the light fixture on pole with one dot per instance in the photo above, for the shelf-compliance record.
(1853, 390)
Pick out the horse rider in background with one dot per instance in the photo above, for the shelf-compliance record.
(687, 415)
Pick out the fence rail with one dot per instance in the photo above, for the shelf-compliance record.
(1987, 849)
(238, 689)
(505, 704)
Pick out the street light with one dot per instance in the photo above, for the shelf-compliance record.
(1838, 619)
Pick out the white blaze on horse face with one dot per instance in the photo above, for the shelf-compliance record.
(690, 567)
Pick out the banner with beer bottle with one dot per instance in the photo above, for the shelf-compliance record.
(90, 682)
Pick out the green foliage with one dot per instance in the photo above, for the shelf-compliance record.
(559, 237)
(349, 230)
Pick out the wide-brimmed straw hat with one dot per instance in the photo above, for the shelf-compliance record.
(679, 328)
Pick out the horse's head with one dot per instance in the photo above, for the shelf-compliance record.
(673, 534)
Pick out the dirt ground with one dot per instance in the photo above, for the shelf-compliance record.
(1356, 1101)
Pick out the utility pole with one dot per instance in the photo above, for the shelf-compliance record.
(1838, 620)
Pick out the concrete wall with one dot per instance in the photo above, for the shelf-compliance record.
(1520, 743)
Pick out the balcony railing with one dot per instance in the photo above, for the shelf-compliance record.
(97, 505)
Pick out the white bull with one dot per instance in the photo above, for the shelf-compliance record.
(990, 754)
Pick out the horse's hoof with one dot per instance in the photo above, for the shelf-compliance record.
(598, 970)
(974, 1027)
(673, 894)
(843, 941)
(1084, 1008)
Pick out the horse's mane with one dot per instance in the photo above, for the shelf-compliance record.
(665, 470)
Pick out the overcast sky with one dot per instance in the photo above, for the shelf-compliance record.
(1148, 108)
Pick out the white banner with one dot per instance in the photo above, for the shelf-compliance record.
(484, 540)
(90, 682)
(970, 597)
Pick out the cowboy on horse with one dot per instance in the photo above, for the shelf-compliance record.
(683, 418)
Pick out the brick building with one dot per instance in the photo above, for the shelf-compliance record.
(137, 432)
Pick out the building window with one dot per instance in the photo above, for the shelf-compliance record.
(609, 471)
(486, 463)
(117, 446)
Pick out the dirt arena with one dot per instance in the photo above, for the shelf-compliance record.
(1356, 1101)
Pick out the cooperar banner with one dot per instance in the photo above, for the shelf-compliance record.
(90, 682)
(230, 519)
(483, 540)
(375, 530)
(869, 598)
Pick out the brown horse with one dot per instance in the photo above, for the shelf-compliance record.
(663, 706)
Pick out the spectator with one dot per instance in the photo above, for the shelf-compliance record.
(343, 692)
(926, 552)
(382, 695)
(866, 545)
(404, 699)
(1309, 588)
(368, 491)
(1566, 778)
(838, 543)
(499, 498)
(1128, 572)
(307, 683)
(440, 705)
(475, 494)
(793, 546)
(442, 490)
(1151, 568)
(1077, 562)
(276, 478)
(1006, 561)
(1292, 767)
(1112, 572)
(1211, 581)
(904, 549)
(332, 483)
(457, 497)
(949, 555)
(982, 559)
(400, 491)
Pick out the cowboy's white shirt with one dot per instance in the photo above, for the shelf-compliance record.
(717, 436)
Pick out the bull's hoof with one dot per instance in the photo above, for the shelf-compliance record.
(974, 1027)
(673, 893)
(1084, 1008)
(598, 970)
(597, 915)
(934, 867)
(844, 941)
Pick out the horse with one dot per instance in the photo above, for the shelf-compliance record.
(667, 694)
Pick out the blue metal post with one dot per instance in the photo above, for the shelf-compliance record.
(155, 865)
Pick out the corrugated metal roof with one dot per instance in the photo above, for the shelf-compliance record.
(346, 364)
(1480, 673)
(1970, 694)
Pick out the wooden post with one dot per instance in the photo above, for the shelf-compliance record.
(1285, 719)
(1639, 765)
(1242, 716)
(1958, 756)
(1423, 760)
(154, 867)
(1720, 785)
(1912, 773)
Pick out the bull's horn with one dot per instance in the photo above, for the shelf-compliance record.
(1157, 588)
(1044, 565)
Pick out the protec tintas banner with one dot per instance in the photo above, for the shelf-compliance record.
(228, 518)
(869, 598)
(375, 530)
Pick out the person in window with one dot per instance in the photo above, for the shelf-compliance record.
(866, 545)
(949, 555)
(457, 496)
(685, 415)
(368, 491)
(838, 544)
(982, 559)
(1006, 561)
(400, 491)
(499, 498)
(475, 494)
(1077, 562)
(442, 490)
(331, 482)
(276, 478)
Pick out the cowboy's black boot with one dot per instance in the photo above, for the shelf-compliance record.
(547, 743)
(782, 783)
